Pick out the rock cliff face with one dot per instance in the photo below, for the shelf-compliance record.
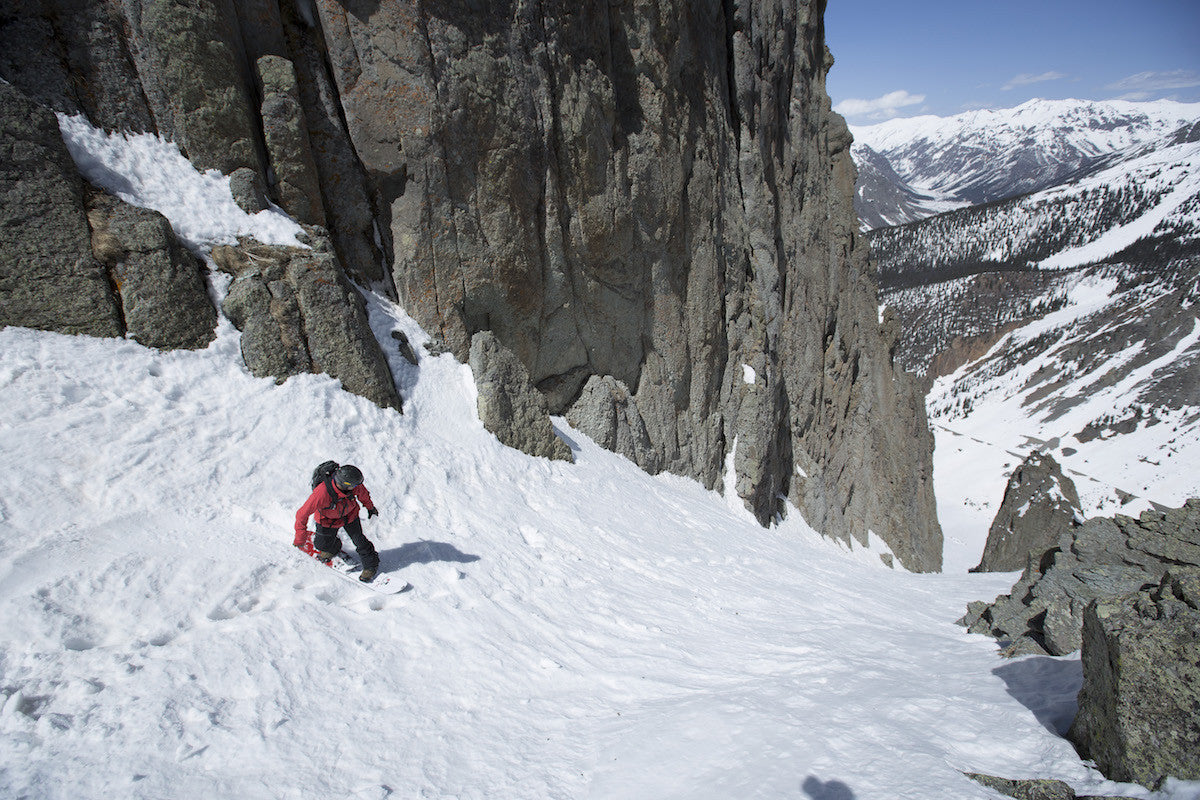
(1139, 709)
(656, 193)
(653, 193)
(48, 275)
(1040, 504)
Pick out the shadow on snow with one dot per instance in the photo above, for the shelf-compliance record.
(1046, 686)
(818, 789)
(422, 552)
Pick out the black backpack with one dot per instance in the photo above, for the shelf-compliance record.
(323, 472)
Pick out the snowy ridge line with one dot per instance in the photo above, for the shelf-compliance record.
(1005, 127)
(1068, 226)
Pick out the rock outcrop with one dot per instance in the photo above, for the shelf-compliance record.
(1032, 788)
(298, 313)
(1040, 504)
(190, 66)
(49, 278)
(607, 413)
(286, 136)
(508, 404)
(660, 194)
(73, 56)
(164, 297)
(655, 193)
(1139, 709)
(74, 260)
(1103, 559)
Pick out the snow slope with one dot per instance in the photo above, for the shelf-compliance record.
(1169, 175)
(575, 631)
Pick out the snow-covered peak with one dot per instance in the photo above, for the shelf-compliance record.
(1102, 126)
(982, 156)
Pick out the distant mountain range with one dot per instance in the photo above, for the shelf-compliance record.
(1046, 279)
(1147, 196)
(910, 169)
(1136, 202)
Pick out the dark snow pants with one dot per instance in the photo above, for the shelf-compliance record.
(326, 539)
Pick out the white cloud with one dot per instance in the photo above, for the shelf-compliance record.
(884, 107)
(1026, 78)
(1145, 82)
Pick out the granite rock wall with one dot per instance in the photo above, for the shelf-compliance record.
(654, 192)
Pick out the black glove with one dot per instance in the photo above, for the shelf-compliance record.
(372, 512)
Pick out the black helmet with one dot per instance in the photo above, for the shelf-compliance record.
(347, 477)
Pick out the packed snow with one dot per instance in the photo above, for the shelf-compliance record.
(575, 630)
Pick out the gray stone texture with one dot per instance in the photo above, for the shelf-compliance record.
(1032, 788)
(266, 312)
(350, 201)
(318, 177)
(509, 406)
(71, 56)
(164, 295)
(607, 413)
(1139, 708)
(656, 192)
(286, 134)
(1102, 559)
(188, 56)
(298, 313)
(49, 278)
(1026, 788)
(405, 348)
(1040, 504)
(248, 190)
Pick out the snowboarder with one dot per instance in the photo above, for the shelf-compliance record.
(335, 502)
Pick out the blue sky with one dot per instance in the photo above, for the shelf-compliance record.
(898, 59)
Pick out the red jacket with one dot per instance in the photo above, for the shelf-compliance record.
(331, 512)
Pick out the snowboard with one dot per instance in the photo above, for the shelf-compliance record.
(347, 565)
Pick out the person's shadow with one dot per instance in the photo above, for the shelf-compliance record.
(422, 552)
(818, 789)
